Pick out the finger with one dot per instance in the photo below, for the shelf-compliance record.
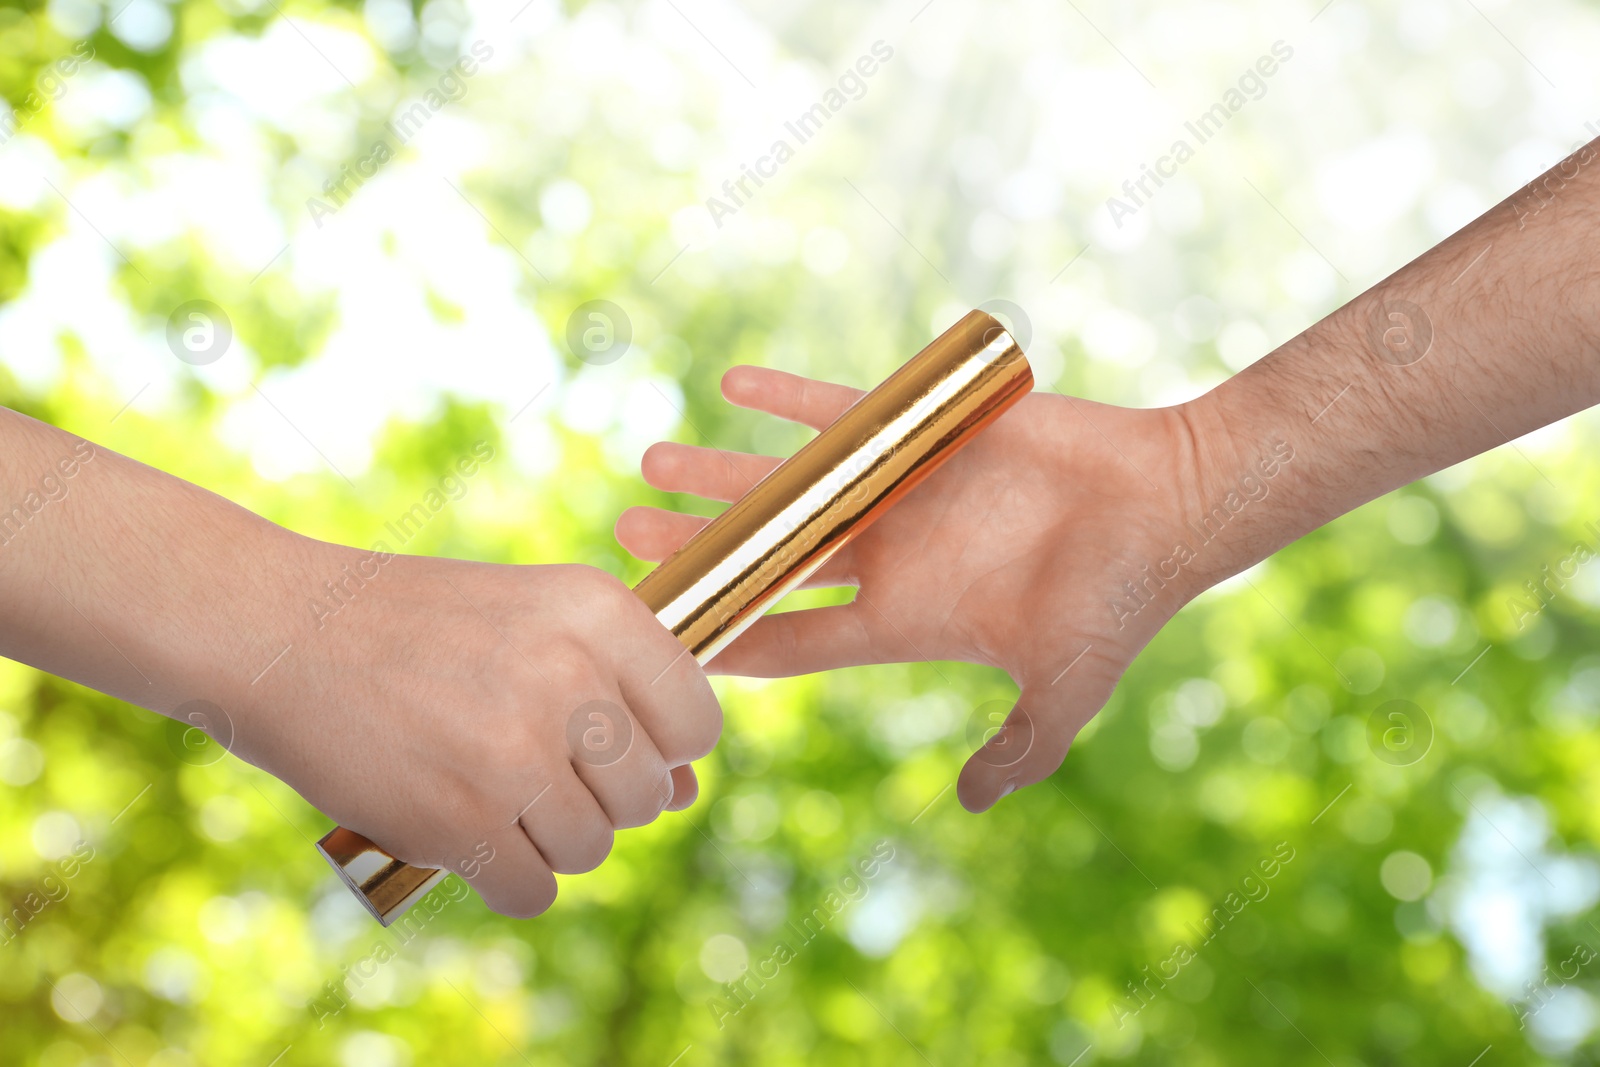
(685, 788)
(510, 875)
(568, 827)
(1034, 740)
(620, 765)
(713, 473)
(788, 396)
(653, 534)
(804, 642)
(662, 686)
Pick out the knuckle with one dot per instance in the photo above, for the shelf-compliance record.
(457, 805)
(600, 733)
(578, 579)
(514, 665)
(500, 659)
(521, 743)
(646, 801)
(702, 730)
(527, 904)
(589, 852)
(643, 815)
(568, 667)
(603, 598)
(632, 815)
(601, 584)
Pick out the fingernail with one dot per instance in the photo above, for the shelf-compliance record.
(1010, 787)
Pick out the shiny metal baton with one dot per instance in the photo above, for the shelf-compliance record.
(788, 525)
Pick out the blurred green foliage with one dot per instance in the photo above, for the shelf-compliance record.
(204, 926)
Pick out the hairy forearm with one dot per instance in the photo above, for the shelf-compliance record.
(129, 580)
(1490, 335)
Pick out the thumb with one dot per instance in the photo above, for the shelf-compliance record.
(1033, 740)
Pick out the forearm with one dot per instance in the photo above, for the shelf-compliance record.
(129, 580)
(1490, 335)
(432, 718)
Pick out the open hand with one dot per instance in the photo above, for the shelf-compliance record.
(1014, 555)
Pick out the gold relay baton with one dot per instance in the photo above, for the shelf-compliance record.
(779, 533)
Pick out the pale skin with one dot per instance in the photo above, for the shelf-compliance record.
(430, 713)
(1016, 554)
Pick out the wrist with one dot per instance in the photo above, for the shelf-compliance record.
(1249, 455)
(233, 614)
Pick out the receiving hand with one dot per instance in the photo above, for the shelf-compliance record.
(1014, 555)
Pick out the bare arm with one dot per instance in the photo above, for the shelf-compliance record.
(131, 581)
(426, 703)
(1064, 539)
(1493, 334)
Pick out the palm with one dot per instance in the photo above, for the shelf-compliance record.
(1012, 563)
(1011, 556)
